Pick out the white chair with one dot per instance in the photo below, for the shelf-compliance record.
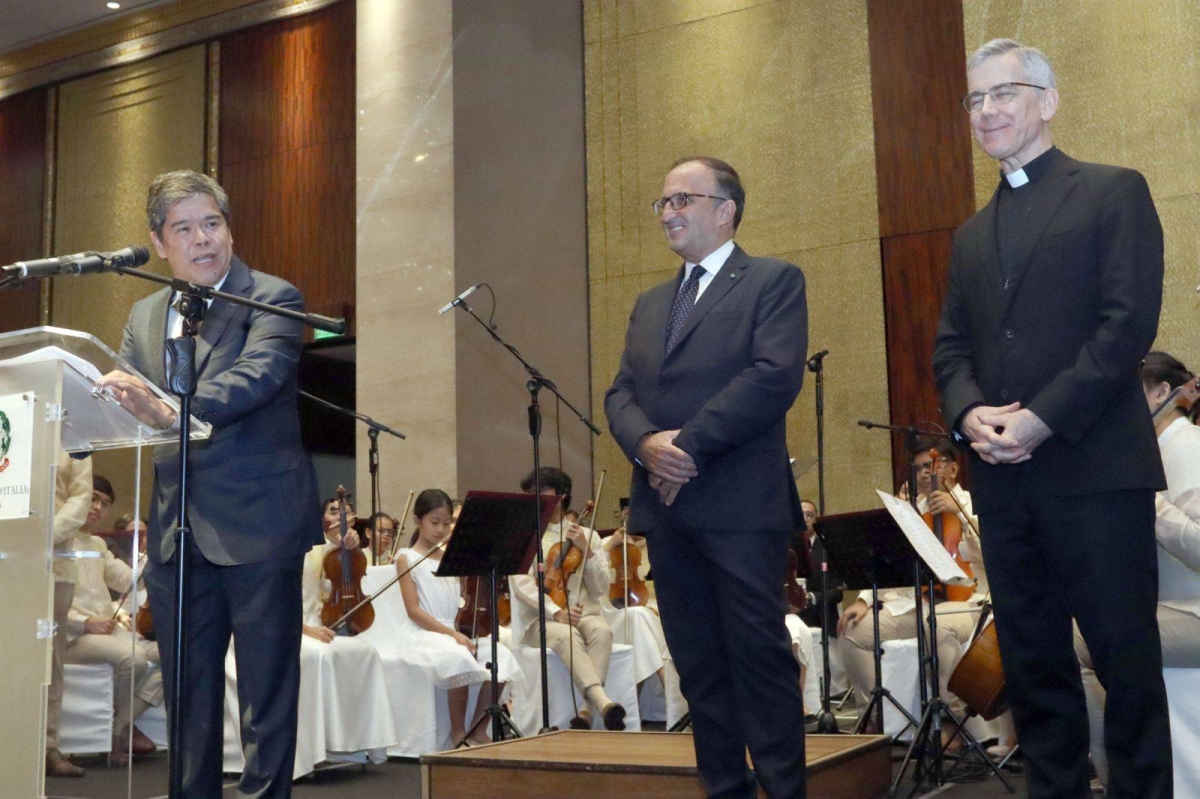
(87, 709)
(620, 685)
(1183, 686)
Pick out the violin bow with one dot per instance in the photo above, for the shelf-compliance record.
(342, 621)
(400, 532)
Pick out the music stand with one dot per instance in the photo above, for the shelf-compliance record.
(869, 550)
(493, 538)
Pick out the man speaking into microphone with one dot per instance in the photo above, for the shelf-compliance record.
(253, 506)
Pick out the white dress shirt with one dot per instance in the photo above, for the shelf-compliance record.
(175, 321)
(712, 264)
(1177, 521)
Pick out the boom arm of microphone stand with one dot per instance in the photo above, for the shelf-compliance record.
(530, 368)
(326, 323)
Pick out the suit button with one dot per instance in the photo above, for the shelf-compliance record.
(1009, 333)
(1004, 393)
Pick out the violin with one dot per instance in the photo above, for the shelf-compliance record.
(797, 597)
(628, 589)
(948, 529)
(144, 623)
(1182, 396)
(475, 608)
(564, 558)
(344, 568)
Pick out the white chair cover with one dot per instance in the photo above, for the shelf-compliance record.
(87, 708)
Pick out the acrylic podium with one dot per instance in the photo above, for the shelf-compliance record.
(48, 403)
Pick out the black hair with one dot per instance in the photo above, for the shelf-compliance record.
(100, 483)
(1159, 367)
(729, 183)
(427, 502)
(552, 478)
(941, 444)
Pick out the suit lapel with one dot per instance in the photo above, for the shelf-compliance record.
(725, 279)
(1060, 182)
(221, 312)
(156, 333)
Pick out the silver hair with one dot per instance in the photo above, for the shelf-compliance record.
(171, 187)
(1037, 66)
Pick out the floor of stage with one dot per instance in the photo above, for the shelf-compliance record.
(398, 779)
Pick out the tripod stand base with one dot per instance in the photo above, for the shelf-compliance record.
(684, 722)
(498, 715)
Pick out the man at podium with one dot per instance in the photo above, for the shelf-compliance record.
(253, 506)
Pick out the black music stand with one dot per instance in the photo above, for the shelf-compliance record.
(493, 538)
(869, 550)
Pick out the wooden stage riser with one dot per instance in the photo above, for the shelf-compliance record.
(869, 777)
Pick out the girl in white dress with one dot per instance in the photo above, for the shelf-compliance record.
(432, 602)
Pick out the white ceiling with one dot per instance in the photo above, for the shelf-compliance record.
(26, 21)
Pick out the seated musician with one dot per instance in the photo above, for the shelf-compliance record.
(314, 586)
(382, 529)
(100, 632)
(897, 617)
(810, 569)
(578, 634)
(1177, 532)
(631, 622)
(455, 660)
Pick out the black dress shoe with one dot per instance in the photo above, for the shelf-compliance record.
(614, 716)
(580, 722)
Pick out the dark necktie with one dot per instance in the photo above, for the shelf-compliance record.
(685, 300)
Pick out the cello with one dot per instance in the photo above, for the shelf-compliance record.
(344, 568)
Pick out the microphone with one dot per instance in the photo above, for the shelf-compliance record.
(459, 299)
(81, 263)
(814, 363)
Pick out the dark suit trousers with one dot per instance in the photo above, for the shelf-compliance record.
(721, 599)
(260, 605)
(1093, 558)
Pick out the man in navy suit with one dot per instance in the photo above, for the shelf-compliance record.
(713, 360)
(1054, 296)
(253, 507)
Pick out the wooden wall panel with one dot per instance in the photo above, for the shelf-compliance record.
(287, 151)
(922, 146)
(926, 185)
(914, 285)
(22, 199)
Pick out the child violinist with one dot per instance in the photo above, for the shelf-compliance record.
(453, 660)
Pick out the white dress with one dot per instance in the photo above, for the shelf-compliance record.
(449, 663)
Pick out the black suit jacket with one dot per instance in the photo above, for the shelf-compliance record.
(1066, 339)
(727, 386)
(252, 491)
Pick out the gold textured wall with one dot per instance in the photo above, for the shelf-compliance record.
(116, 130)
(1126, 76)
(782, 91)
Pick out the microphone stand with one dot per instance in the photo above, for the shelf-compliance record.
(537, 381)
(181, 379)
(374, 428)
(826, 721)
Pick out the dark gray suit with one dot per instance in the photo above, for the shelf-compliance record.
(253, 510)
(719, 552)
(1069, 533)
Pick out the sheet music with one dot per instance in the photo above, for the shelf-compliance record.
(924, 542)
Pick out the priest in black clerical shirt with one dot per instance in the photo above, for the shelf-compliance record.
(1054, 297)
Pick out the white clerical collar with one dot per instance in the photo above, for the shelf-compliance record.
(1017, 179)
(712, 262)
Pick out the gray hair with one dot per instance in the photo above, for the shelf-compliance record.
(1037, 66)
(171, 187)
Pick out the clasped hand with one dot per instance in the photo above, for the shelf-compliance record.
(1004, 434)
(137, 398)
(669, 466)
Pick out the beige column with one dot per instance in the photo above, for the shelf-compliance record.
(405, 243)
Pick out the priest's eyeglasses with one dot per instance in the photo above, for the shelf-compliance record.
(1001, 93)
(679, 200)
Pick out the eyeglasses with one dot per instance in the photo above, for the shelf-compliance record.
(1001, 93)
(929, 466)
(679, 200)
